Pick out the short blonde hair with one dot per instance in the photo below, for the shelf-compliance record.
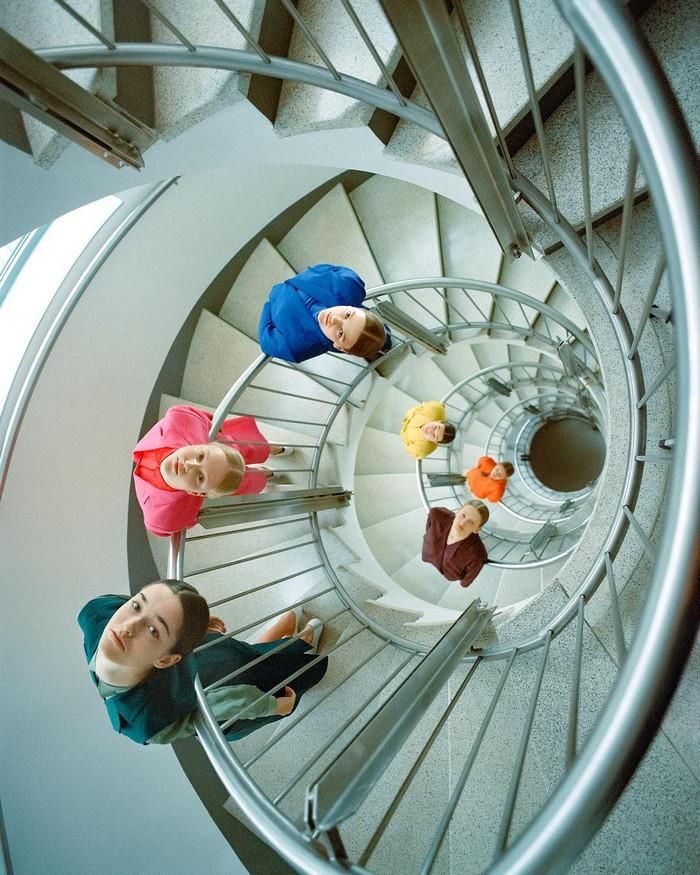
(234, 474)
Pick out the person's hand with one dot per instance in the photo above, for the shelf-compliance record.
(216, 624)
(285, 703)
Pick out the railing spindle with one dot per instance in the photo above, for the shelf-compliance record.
(627, 207)
(574, 696)
(534, 103)
(620, 645)
(303, 26)
(509, 806)
(86, 24)
(169, 25)
(247, 36)
(582, 113)
(648, 303)
(441, 830)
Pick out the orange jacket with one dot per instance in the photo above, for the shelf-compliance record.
(481, 484)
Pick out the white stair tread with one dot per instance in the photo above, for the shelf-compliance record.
(469, 248)
(425, 378)
(400, 222)
(395, 541)
(264, 269)
(184, 97)
(382, 452)
(302, 107)
(389, 413)
(330, 233)
(383, 496)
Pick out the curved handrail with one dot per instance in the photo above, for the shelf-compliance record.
(664, 634)
(666, 629)
(42, 343)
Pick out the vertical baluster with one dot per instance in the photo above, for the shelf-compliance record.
(373, 51)
(627, 208)
(665, 371)
(534, 104)
(648, 302)
(86, 24)
(616, 616)
(509, 806)
(303, 26)
(379, 831)
(582, 112)
(466, 30)
(247, 36)
(646, 543)
(170, 26)
(575, 687)
(441, 830)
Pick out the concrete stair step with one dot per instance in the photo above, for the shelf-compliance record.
(389, 413)
(395, 541)
(383, 496)
(424, 377)
(303, 108)
(264, 269)
(469, 248)
(219, 354)
(331, 233)
(421, 578)
(400, 223)
(184, 97)
(672, 30)
(459, 362)
(39, 26)
(382, 452)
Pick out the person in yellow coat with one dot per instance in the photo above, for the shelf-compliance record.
(424, 427)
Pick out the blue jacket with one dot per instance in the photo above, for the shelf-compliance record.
(168, 695)
(288, 330)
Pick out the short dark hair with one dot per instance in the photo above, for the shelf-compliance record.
(481, 507)
(508, 468)
(449, 435)
(371, 338)
(195, 615)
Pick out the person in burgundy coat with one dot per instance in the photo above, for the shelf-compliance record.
(452, 544)
(177, 467)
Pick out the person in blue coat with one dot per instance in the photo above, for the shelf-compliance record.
(319, 310)
(139, 652)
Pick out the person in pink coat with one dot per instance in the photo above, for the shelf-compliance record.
(177, 467)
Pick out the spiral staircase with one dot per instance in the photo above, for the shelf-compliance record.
(539, 653)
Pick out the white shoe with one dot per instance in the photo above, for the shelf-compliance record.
(317, 626)
(285, 451)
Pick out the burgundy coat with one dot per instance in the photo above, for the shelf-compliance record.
(460, 561)
(167, 512)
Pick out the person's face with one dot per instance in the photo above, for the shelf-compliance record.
(434, 430)
(141, 633)
(343, 325)
(499, 473)
(468, 519)
(196, 468)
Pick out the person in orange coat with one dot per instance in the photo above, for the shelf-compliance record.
(488, 479)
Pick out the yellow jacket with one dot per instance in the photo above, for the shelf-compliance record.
(416, 444)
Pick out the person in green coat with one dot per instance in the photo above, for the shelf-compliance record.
(140, 655)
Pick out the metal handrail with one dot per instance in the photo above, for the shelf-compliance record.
(666, 629)
(664, 634)
(42, 343)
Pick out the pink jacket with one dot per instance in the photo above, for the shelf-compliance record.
(167, 512)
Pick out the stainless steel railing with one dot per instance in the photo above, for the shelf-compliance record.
(652, 660)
